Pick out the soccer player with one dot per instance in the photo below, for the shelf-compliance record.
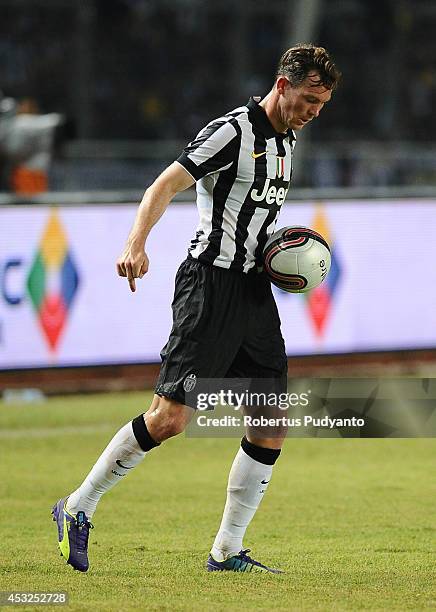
(225, 320)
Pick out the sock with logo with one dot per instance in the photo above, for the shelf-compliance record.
(126, 449)
(248, 480)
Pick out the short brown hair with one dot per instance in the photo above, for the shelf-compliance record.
(296, 63)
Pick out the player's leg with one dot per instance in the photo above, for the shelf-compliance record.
(165, 418)
(263, 358)
(249, 478)
(189, 350)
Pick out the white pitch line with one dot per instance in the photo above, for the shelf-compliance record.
(49, 432)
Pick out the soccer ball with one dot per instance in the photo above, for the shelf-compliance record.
(296, 259)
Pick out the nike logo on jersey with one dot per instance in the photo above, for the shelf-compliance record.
(255, 155)
(125, 467)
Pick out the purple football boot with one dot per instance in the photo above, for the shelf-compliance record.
(73, 532)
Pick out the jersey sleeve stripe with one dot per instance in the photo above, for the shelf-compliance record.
(211, 151)
(189, 166)
(185, 168)
(204, 135)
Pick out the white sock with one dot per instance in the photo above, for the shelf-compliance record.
(248, 481)
(121, 454)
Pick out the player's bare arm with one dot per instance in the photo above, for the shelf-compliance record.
(133, 263)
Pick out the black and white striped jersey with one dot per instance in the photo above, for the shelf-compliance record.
(243, 168)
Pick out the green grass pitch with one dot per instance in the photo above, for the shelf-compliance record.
(350, 521)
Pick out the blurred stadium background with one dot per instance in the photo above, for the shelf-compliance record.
(99, 96)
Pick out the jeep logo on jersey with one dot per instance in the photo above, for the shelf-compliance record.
(271, 193)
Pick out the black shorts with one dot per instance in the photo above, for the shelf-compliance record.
(225, 325)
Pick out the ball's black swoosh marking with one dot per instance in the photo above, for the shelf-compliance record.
(125, 467)
(261, 482)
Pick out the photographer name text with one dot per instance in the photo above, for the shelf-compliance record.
(306, 421)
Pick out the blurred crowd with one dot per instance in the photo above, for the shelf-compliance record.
(155, 69)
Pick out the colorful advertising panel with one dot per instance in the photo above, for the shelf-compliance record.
(62, 303)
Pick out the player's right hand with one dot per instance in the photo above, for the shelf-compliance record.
(133, 263)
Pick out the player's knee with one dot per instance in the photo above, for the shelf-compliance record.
(168, 419)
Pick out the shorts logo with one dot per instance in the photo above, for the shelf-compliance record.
(189, 382)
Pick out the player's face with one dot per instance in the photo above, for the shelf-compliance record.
(299, 105)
